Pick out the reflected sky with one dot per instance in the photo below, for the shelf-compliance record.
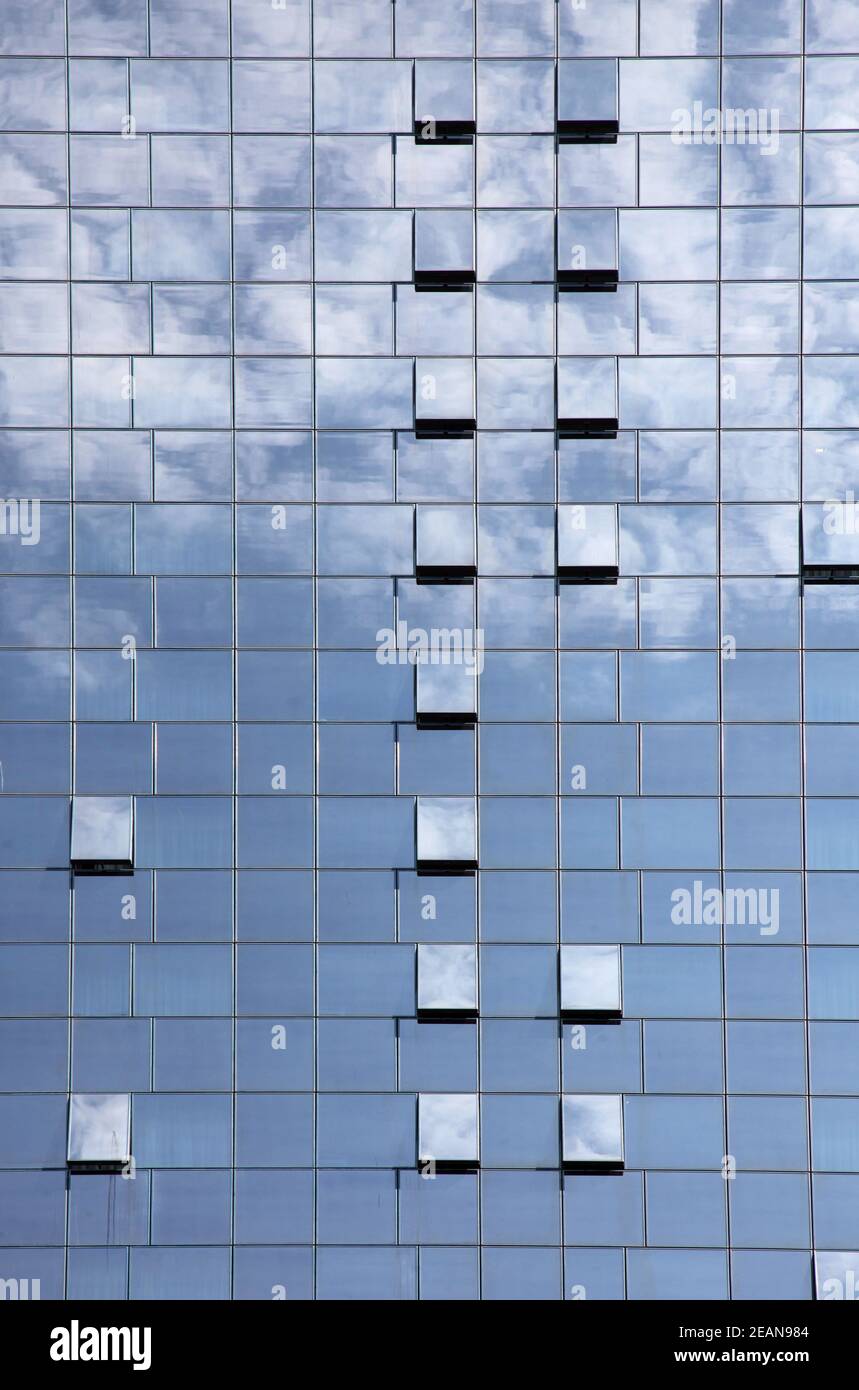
(99, 1127)
(102, 828)
(446, 830)
(447, 977)
(590, 977)
(447, 1127)
(240, 304)
(593, 1129)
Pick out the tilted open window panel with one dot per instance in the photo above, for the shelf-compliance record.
(587, 397)
(444, 396)
(447, 982)
(592, 1127)
(829, 541)
(102, 835)
(587, 249)
(444, 101)
(587, 101)
(446, 695)
(590, 983)
(444, 249)
(445, 546)
(448, 1132)
(446, 834)
(99, 1133)
(588, 544)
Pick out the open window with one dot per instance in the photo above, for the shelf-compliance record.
(444, 397)
(592, 1134)
(99, 1133)
(587, 397)
(590, 984)
(444, 543)
(829, 542)
(102, 835)
(448, 1132)
(444, 101)
(587, 543)
(446, 834)
(444, 249)
(446, 695)
(447, 982)
(587, 101)
(587, 249)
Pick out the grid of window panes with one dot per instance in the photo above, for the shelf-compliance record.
(230, 401)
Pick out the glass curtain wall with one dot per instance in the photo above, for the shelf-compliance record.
(429, 649)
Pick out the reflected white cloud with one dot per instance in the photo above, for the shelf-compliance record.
(33, 318)
(691, 234)
(447, 977)
(176, 392)
(668, 393)
(831, 317)
(762, 392)
(99, 1128)
(102, 829)
(592, 1129)
(515, 245)
(442, 31)
(587, 388)
(190, 170)
(32, 169)
(274, 391)
(273, 318)
(678, 175)
(362, 246)
(448, 1128)
(590, 979)
(594, 175)
(381, 101)
(515, 170)
(516, 540)
(446, 830)
(514, 96)
(677, 318)
(692, 29)
(831, 168)
(831, 392)
(271, 171)
(180, 96)
(434, 175)
(507, 27)
(831, 243)
(353, 171)
(832, 93)
(515, 393)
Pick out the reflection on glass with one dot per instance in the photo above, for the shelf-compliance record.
(447, 981)
(99, 1132)
(587, 543)
(446, 834)
(102, 834)
(444, 542)
(590, 982)
(448, 1131)
(830, 541)
(446, 695)
(587, 100)
(592, 1133)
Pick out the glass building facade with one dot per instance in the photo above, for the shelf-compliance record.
(429, 649)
